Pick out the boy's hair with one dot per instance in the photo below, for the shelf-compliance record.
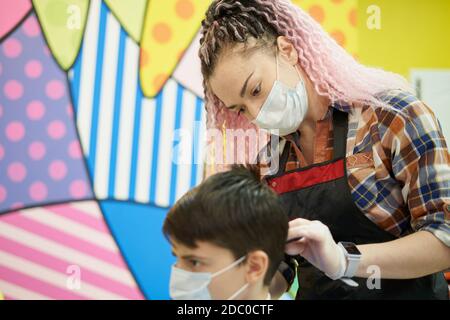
(233, 210)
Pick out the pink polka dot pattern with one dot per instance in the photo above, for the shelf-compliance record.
(35, 110)
(55, 89)
(40, 156)
(12, 48)
(47, 51)
(75, 150)
(3, 193)
(13, 90)
(17, 172)
(56, 129)
(57, 170)
(31, 27)
(15, 131)
(70, 111)
(36, 150)
(33, 69)
(78, 189)
(16, 205)
(38, 191)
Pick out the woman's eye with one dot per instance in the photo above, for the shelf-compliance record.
(257, 90)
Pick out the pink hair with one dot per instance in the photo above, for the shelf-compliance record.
(334, 73)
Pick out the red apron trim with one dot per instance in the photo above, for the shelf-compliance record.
(302, 179)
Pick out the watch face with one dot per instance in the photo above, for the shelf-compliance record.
(351, 248)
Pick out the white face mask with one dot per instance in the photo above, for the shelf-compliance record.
(186, 285)
(285, 108)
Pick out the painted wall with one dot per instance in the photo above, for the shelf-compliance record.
(413, 34)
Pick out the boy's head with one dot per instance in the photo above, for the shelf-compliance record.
(229, 216)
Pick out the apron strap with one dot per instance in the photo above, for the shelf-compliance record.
(282, 160)
(284, 156)
(340, 129)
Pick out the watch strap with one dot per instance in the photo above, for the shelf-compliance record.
(352, 263)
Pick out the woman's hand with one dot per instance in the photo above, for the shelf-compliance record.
(317, 246)
(413, 256)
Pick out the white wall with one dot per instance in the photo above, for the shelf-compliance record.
(433, 86)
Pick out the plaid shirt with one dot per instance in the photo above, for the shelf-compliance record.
(397, 163)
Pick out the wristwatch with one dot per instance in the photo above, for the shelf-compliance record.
(353, 257)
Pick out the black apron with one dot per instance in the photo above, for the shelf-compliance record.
(321, 192)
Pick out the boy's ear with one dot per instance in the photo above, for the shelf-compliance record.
(257, 264)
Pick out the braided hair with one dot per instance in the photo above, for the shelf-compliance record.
(334, 73)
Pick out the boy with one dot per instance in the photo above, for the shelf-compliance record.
(228, 235)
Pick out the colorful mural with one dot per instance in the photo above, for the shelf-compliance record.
(100, 106)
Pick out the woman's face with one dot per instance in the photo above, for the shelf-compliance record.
(243, 82)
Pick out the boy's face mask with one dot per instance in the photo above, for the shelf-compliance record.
(186, 285)
(285, 108)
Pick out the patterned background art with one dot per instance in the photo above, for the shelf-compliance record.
(89, 112)
(339, 19)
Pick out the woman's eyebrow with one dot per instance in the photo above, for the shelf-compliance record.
(244, 88)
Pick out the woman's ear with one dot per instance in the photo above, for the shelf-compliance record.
(287, 50)
(257, 264)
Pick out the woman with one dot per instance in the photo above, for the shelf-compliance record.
(364, 169)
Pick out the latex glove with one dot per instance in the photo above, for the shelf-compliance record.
(317, 246)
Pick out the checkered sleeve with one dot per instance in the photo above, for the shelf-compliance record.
(421, 163)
